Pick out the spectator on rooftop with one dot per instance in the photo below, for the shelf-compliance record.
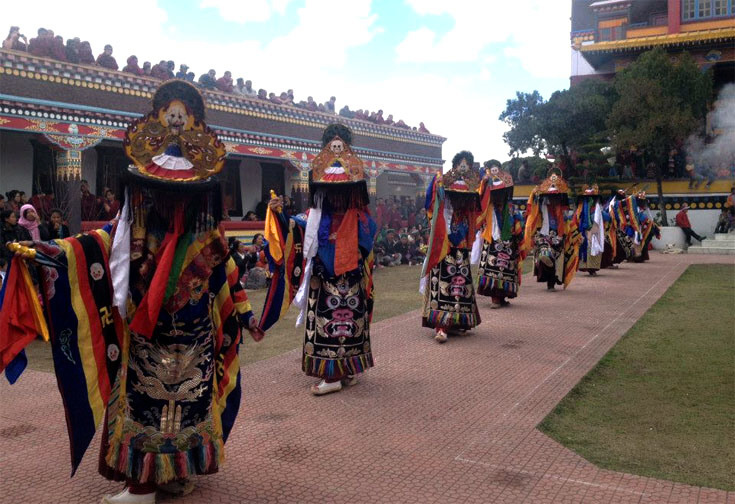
(190, 76)
(147, 69)
(132, 66)
(58, 49)
(346, 112)
(274, 99)
(208, 80)
(160, 70)
(224, 83)
(106, 60)
(72, 50)
(13, 40)
(40, 45)
(379, 117)
(287, 97)
(390, 121)
(183, 70)
(330, 104)
(249, 91)
(262, 94)
(239, 88)
(311, 104)
(401, 124)
(422, 128)
(170, 67)
(86, 57)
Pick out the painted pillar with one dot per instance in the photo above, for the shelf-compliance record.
(68, 186)
(674, 11)
(300, 184)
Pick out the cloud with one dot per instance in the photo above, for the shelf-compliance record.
(250, 11)
(534, 32)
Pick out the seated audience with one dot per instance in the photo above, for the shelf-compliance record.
(86, 57)
(224, 83)
(13, 40)
(208, 80)
(106, 60)
(183, 70)
(132, 66)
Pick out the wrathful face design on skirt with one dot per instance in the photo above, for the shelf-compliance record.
(450, 294)
(498, 272)
(337, 335)
(341, 311)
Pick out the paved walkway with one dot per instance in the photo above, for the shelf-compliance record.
(429, 424)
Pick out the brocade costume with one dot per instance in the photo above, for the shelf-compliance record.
(636, 225)
(589, 217)
(452, 204)
(146, 317)
(499, 275)
(554, 238)
(323, 263)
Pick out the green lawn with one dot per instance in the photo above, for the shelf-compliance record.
(661, 403)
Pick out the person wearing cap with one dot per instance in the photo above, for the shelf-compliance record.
(553, 237)
(682, 221)
(323, 263)
(453, 206)
(499, 274)
(147, 314)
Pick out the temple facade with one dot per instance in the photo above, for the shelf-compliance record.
(609, 34)
(63, 122)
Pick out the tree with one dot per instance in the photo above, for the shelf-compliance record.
(521, 114)
(576, 117)
(660, 103)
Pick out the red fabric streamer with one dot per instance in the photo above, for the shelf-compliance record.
(146, 315)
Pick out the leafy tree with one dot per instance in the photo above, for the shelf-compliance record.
(660, 103)
(575, 117)
(521, 114)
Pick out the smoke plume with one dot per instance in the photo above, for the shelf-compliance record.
(719, 153)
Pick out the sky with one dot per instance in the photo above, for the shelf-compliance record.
(451, 64)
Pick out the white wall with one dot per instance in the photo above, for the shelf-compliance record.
(703, 222)
(251, 183)
(580, 66)
(16, 162)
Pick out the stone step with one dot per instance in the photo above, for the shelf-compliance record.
(725, 237)
(712, 247)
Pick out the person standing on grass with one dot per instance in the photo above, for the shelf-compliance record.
(324, 263)
(500, 259)
(682, 221)
(453, 206)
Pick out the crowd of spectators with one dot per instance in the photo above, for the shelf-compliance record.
(403, 232)
(49, 45)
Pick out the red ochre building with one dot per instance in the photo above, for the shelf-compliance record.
(61, 120)
(609, 34)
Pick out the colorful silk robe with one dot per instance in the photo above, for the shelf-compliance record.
(636, 227)
(446, 278)
(337, 303)
(554, 239)
(166, 403)
(592, 230)
(499, 275)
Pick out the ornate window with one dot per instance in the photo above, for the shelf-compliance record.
(703, 9)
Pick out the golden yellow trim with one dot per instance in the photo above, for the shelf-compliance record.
(648, 31)
(707, 25)
(610, 23)
(674, 38)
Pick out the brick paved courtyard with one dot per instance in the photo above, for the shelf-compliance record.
(429, 424)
